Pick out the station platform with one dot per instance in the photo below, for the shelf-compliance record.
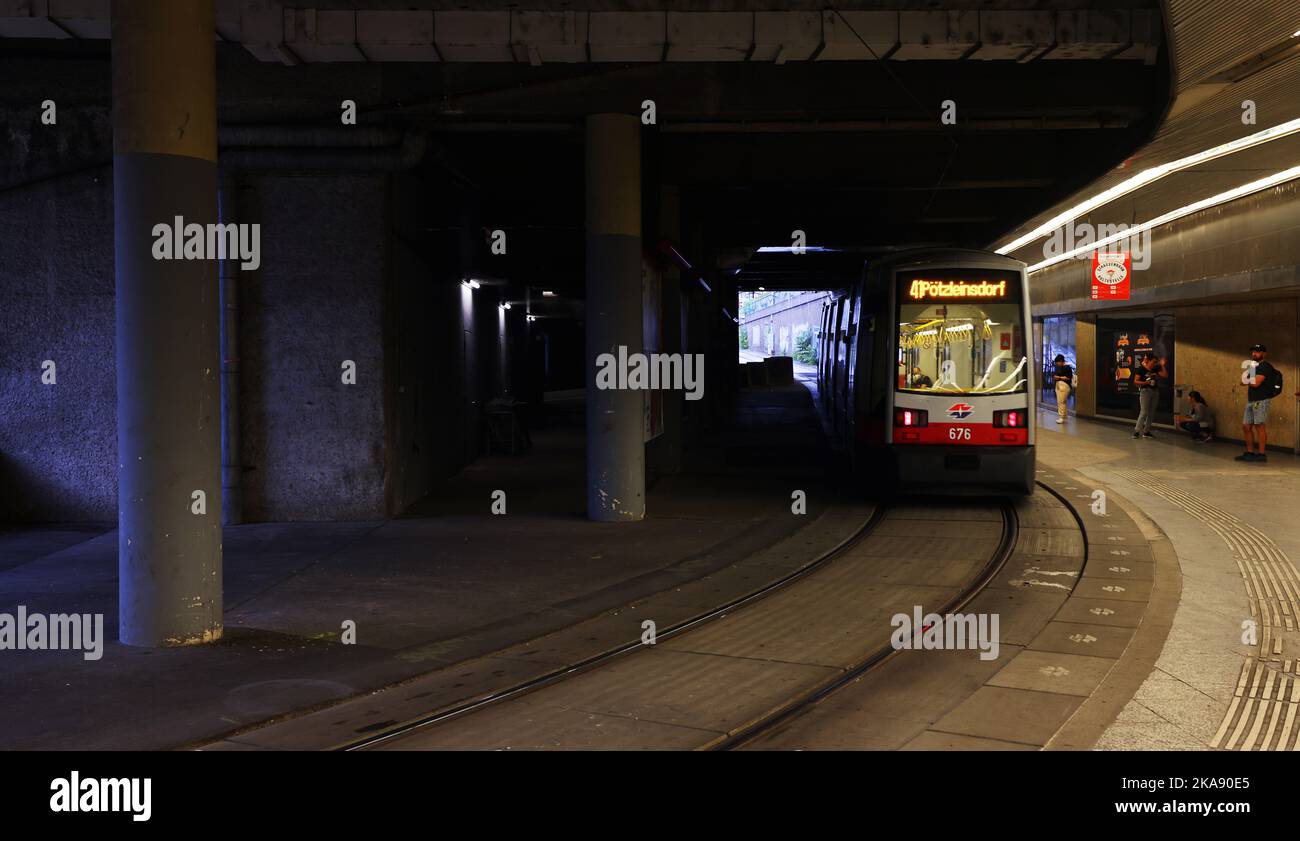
(1236, 537)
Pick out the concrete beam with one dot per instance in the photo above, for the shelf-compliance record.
(322, 36)
(946, 35)
(397, 36)
(262, 31)
(1091, 34)
(843, 34)
(1014, 35)
(786, 36)
(473, 36)
(709, 36)
(82, 18)
(29, 19)
(549, 37)
(277, 32)
(627, 36)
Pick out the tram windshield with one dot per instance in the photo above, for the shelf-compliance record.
(961, 331)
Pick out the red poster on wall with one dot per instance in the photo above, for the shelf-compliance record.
(1110, 275)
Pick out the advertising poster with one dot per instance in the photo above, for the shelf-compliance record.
(1110, 275)
(1122, 343)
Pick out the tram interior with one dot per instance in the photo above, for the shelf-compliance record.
(969, 348)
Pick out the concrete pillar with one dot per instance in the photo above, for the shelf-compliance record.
(168, 325)
(615, 417)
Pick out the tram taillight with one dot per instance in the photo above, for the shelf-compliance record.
(911, 417)
(1010, 419)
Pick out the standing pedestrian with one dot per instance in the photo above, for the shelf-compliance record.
(1265, 383)
(1063, 376)
(1147, 382)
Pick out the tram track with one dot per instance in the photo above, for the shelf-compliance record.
(877, 658)
(728, 634)
(605, 657)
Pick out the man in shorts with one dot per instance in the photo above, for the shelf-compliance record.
(1260, 391)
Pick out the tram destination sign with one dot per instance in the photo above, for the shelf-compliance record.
(922, 289)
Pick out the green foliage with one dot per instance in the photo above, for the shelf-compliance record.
(744, 338)
(804, 350)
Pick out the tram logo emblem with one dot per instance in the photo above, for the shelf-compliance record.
(960, 411)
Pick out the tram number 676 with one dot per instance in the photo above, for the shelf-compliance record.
(959, 433)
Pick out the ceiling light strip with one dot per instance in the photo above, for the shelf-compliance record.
(1147, 176)
(1186, 210)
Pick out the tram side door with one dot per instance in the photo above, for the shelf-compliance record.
(823, 351)
(861, 360)
(842, 363)
(832, 362)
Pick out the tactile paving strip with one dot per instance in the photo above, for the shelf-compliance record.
(1268, 688)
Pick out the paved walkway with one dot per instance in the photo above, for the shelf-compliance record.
(448, 582)
(1236, 531)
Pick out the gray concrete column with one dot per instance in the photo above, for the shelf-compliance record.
(168, 325)
(615, 417)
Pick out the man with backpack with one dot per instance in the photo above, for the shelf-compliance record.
(1265, 383)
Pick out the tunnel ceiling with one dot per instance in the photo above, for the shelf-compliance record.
(853, 155)
(1223, 56)
(844, 147)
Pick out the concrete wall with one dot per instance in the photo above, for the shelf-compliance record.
(1248, 246)
(414, 400)
(58, 442)
(313, 447)
(1085, 349)
(350, 270)
(1245, 254)
(438, 386)
(1212, 341)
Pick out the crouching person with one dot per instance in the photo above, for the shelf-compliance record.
(1201, 420)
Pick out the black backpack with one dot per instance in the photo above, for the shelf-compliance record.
(1272, 385)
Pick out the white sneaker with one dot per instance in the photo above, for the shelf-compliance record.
(1060, 420)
